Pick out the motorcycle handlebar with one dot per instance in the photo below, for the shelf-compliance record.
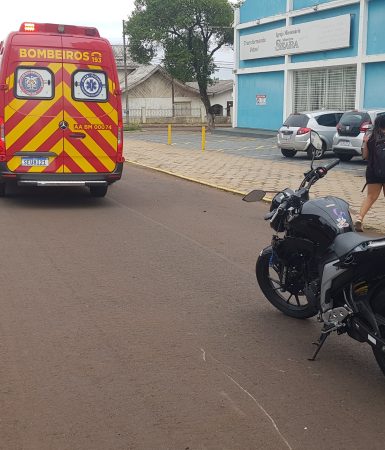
(275, 213)
(317, 173)
(332, 164)
(269, 215)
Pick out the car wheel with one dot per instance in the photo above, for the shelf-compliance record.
(288, 153)
(319, 154)
(344, 157)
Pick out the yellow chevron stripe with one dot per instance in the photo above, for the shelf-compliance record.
(88, 114)
(10, 81)
(13, 107)
(45, 133)
(34, 116)
(94, 148)
(78, 157)
(69, 68)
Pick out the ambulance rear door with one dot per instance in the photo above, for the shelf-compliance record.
(33, 113)
(90, 106)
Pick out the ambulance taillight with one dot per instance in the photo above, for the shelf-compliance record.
(119, 156)
(2, 140)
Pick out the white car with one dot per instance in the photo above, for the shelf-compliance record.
(351, 129)
(294, 135)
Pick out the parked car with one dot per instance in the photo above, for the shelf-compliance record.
(294, 135)
(351, 129)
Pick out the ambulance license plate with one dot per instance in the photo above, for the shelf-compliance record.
(29, 162)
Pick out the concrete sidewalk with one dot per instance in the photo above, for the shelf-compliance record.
(240, 175)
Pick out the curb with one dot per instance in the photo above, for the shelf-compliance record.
(266, 199)
(183, 177)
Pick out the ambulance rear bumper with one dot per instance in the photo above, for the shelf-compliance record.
(61, 179)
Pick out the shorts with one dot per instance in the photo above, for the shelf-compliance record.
(371, 179)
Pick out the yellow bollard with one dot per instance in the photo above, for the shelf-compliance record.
(203, 138)
(169, 134)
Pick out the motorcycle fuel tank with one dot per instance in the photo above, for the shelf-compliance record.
(322, 219)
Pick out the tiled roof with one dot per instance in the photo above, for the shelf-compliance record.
(143, 72)
(217, 88)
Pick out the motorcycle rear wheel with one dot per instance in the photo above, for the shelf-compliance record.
(291, 304)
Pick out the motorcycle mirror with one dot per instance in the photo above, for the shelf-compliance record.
(315, 140)
(254, 196)
(316, 143)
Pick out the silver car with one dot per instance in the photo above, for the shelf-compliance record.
(351, 129)
(294, 135)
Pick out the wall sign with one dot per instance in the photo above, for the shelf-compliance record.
(306, 37)
(261, 99)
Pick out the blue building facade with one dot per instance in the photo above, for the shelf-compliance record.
(297, 55)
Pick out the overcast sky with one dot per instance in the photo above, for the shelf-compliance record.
(107, 18)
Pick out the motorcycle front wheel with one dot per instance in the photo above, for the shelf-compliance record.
(293, 304)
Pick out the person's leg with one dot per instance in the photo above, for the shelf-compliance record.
(371, 196)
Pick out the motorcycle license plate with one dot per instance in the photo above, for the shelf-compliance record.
(29, 162)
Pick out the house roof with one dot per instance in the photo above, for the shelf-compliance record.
(219, 87)
(144, 72)
(118, 51)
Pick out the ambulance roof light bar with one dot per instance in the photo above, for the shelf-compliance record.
(31, 27)
(28, 26)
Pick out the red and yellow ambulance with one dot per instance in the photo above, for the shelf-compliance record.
(60, 109)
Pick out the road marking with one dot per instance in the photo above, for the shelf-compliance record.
(262, 409)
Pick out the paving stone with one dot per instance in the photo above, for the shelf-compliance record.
(241, 174)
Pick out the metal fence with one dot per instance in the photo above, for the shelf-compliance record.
(147, 115)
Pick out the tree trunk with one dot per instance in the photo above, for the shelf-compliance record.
(210, 121)
(209, 113)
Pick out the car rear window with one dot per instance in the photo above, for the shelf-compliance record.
(328, 120)
(355, 118)
(296, 120)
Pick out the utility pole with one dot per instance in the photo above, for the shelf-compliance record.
(173, 97)
(125, 72)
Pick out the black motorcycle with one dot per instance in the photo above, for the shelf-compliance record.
(318, 265)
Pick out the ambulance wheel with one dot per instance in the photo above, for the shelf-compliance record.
(99, 191)
(2, 189)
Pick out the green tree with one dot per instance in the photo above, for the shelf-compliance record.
(187, 32)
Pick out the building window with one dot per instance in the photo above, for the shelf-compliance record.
(217, 110)
(332, 88)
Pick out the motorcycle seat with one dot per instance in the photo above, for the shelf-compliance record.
(346, 242)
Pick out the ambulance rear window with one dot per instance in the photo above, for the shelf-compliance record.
(34, 83)
(90, 86)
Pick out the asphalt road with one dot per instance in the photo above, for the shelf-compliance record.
(251, 147)
(135, 322)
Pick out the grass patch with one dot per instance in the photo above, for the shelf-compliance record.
(132, 127)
